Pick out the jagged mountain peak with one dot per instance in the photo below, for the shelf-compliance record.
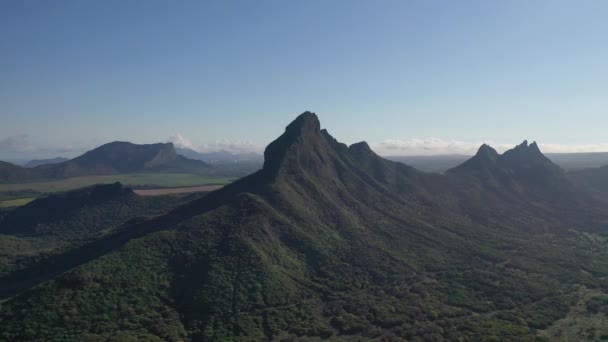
(525, 153)
(297, 146)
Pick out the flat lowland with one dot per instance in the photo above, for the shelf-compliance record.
(169, 191)
(137, 180)
(15, 202)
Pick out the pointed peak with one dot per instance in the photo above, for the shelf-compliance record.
(484, 159)
(362, 150)
(523, 145)
(307, 121)
(525, 148)
(299, 136)
(360, 146)
(486, 151)
(526, 156)
(534, 147)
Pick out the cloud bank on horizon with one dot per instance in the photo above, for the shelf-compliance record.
(438, 146)
(396, 147)
(21, 147)
(235, 147)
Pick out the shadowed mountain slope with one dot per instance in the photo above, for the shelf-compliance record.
(327, 241)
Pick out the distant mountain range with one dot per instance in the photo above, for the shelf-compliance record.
(112, 158)
(38, 162)
(330, 241)
(441, 163)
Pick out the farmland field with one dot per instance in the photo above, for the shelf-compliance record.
(15, 202)
(170, 191)
(139, 180)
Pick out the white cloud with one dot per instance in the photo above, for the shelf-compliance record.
(438, 146)
(428, 146)
(560, 148)
(182, 142)
(233, 146)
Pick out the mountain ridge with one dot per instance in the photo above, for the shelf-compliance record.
(327, 241)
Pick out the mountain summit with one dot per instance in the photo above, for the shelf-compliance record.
(295, 148)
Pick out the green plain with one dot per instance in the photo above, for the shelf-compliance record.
(161, 180)
(15, 202)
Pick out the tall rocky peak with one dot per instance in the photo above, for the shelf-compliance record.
(306, 123)
(297, 146)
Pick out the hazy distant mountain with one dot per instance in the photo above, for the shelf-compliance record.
(112, 158)
(125, 157)
(441, 163)
(220, 157)
(38, 162)
(577, 161)
(329, 241)
(521, 171)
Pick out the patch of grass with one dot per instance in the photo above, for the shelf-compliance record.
(16, 202)
(135, 180)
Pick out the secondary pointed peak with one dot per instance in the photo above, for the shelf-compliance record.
(523, 145)
(360, 146)
(484, 159)
(486, 151)
(534, 147)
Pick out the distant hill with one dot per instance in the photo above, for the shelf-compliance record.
(330, 241)
(112, 158)
(11, 173)
(38, 162)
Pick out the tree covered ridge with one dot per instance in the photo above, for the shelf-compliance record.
(330, 241)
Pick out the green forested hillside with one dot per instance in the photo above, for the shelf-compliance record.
(61, 221)
(330, 241)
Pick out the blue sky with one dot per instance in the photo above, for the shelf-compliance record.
(74, 74)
